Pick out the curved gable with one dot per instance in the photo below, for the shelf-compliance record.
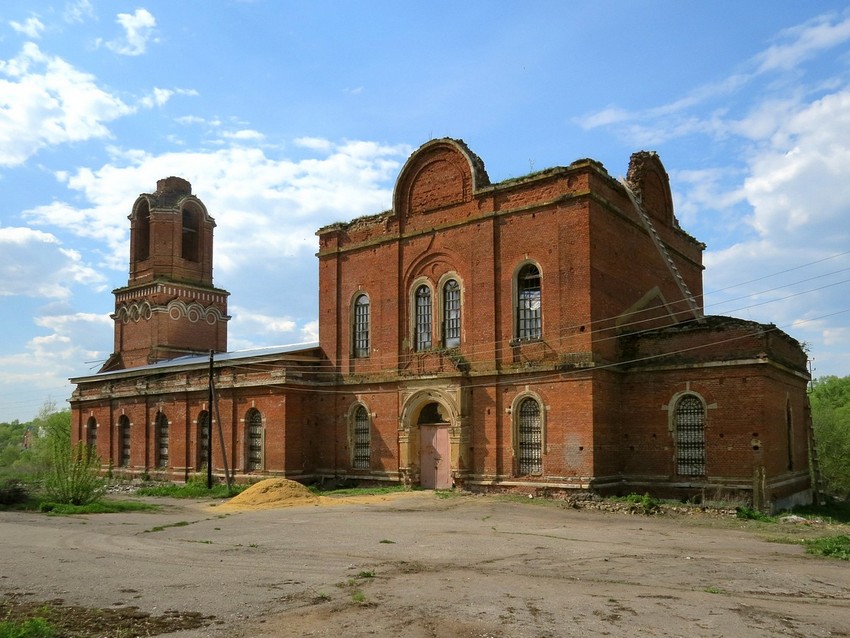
(439, 174)
(651, 184)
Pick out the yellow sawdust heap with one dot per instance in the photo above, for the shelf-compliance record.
(274, 492)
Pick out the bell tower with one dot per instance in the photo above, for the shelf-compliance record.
(169, 307)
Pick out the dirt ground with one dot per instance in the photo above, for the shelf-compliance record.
(417, 565)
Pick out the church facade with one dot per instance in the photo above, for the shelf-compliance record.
(541, 334)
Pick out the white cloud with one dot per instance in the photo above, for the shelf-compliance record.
(33, 264)
(45, 101)
(803, 41)
(32, 28)
(138, 31)
(244, 135)
(78, 11)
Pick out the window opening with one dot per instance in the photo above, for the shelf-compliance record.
(423, 318)
(451, 314)
(530, 431)
(143, 232)
(203, 438)
(254, 421)
(161, 440)
(124, 441)
(529, 315)
(191, 232)
(690, 437)
(361, 326)
(91, 427)
(789, 435)
(362, 440)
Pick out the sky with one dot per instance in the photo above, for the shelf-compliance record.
(287, 116)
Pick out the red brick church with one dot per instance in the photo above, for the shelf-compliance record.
(542, 334)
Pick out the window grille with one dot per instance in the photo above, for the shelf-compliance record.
(690, 437)
(162, 440)
(92, 432)
(451, 314)
(203, 438)
(362, 440)
(530, 431)
(254, 422)
(529, 314)
(124, 441)
(361, 326)
(423, 318)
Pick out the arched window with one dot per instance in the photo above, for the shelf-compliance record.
(161, 438)
(529, 429)
(529, 315)
(203, 439)
(423, 318)
(690, 436)
(123, 441)
(91, 433)
(254, 439)
(451, 314)
(362, 440)
(361, 326)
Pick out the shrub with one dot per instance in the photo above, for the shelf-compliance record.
(12, 492)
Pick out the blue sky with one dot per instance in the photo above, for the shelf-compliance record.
(287, 116)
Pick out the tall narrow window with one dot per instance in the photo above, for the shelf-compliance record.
(124, 441)
(362, 440)
(191, 234)
(361, 326)
(142, 232)
(451, 314)
(530, 437)
(161, 436)
(789, 435)
(423, 318)
(203, 439)
(91, 428)
(254, 428)
(528, 313)
(690, 436)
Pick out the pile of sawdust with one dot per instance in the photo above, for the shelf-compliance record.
(274, 492)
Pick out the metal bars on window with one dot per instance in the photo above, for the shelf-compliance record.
(203, 438)
(362, 440)
(254, 427)
(423, 318)
(529, 314)
(530, 435)
(161, 440)
(690, 437)
(451, 314)
(361, 326)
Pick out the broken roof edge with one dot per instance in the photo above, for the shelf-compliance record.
(198, 360)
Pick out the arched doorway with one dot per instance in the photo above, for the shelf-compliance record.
(435, 472)
(434, 437)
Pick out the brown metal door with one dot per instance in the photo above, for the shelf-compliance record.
(434, 459)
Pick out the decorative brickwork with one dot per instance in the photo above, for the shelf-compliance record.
(543, 333)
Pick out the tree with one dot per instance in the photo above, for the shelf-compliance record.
(830, 399)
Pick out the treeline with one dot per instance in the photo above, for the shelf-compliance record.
(830, 399)
(26, 448)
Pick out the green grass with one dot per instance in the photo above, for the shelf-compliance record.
(834, 511)
(829, 546)
(32, 628)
